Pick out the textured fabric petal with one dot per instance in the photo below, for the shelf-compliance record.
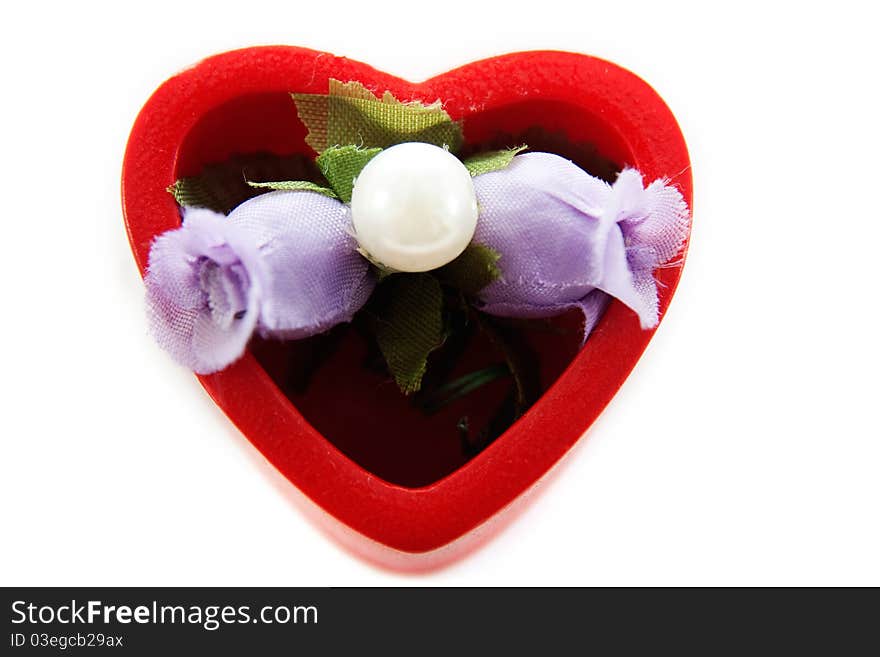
(317, 277)
(541, 214)
(283, 263)
(178, 309)
(617, 280)
(563, 234)
(663, 225)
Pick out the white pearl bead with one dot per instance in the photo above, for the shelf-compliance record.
(414, 207)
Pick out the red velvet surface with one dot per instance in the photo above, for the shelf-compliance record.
(411, 492)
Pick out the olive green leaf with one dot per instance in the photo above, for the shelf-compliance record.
(491, 160)
(294, 185)
(350, 114)
(473, 270)
(193, 193)
(342, 164)
(409, 326)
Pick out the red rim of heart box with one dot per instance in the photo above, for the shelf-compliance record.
(632, 120)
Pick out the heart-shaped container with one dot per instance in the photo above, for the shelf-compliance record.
(350, 444)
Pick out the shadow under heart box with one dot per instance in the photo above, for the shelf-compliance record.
(411, 298)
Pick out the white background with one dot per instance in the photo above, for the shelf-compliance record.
(744, 449)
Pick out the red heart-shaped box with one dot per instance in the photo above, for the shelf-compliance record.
(239, 102)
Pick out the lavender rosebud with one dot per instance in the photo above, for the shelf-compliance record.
(283, 263)
(567, 238)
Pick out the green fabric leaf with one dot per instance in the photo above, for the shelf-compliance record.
(224, 186)
(351, 115)
(294, 185)
(342, 164)
(491, 160)
(191, 192)
(473, 270)
(409, 326)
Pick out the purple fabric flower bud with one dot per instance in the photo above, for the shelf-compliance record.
(283, 263)
(567, 239)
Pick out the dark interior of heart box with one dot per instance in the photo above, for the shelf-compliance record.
(333, 379)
